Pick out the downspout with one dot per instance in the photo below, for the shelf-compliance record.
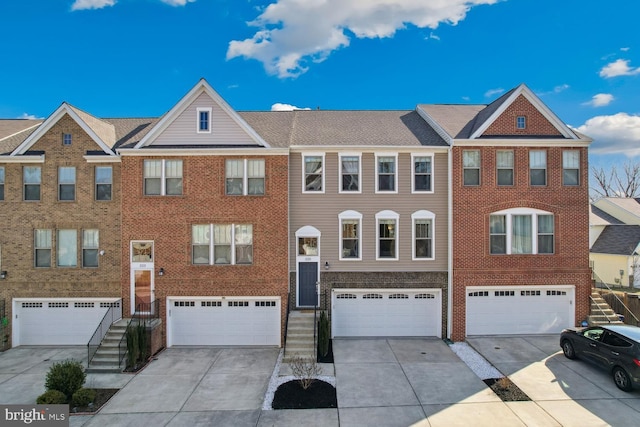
(450, 241)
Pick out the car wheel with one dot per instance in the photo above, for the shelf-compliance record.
(567, 349)
(621, 378)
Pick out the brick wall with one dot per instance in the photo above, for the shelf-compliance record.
(167, 221)
(19, 218)
(537, 124)
(472, 263)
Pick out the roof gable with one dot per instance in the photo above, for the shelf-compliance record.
(101, 132)
(499, 117)
(178, 127)
(618, 240)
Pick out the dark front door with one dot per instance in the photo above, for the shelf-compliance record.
(307, 278)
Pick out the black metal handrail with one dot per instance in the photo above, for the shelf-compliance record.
(143, 312)
(113, 314)
(286, 324)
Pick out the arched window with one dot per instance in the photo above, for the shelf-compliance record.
(521, 231)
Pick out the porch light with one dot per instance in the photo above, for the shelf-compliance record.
(621, 273)
(326, 265)
(161, 272)
(3, 274)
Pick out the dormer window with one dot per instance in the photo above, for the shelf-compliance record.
(66, 139)
(204, 120)
(521, 122)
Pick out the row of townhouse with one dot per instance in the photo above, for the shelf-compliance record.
(444, 221)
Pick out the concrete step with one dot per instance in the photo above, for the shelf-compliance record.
(106, 369)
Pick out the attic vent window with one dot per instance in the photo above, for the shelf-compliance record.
(521, 122)
(204, 120)
(66, 139)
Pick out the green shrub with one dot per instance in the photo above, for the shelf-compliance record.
(83, 397)
(323, 334)
(67, 376)
(51, 397)
(133, 348)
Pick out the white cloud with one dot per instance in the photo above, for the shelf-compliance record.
(286, 107)
(600, 100)
(99, 4)
(91, 4)
(493, 92)
(433, 36)
(625, 49)
(615, 134)
(291, 34)
(29, 116)
(177, 2)
(617, 68)
(560, 88)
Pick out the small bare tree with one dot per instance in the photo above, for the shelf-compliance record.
(615, 184)
(305, 369)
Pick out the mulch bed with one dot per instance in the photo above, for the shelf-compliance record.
(102, 396)
(506, 390)
(291, 395)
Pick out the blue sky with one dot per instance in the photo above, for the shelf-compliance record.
(137, 58)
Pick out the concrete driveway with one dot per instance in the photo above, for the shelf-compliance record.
(568, 392)
(382, 382)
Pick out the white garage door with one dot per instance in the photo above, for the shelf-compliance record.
(57, 321)
(386, 312)
(223, 321)
(519, 310)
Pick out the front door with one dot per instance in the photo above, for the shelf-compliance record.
(143, 291)
(307, 278)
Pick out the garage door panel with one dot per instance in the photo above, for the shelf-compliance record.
(385, 313)
(202, 321)
(56, 322)
(527, 310)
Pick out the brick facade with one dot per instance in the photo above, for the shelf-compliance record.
(168, 220)
(19, 219)
(473, 265)
(536, 123)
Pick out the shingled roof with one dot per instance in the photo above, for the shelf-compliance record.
(617, 240)
(14, 131)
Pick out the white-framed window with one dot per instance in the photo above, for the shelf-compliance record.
(32, 179)
(423, 235)
(163, 177)
(203, 124)
(521, 231)
(386, 173)
(521, 122)
(350, 173)
(571, 167)
(387, 235)
(537, 167)
(66, 139)
(104, 182)
(67, 248)
(244, 177)
(313, 176)
(504, 167)
(42, 247)
(471, 167)
(221, 244)
(422, 173)
(66, 183)
(90, 244)
(1, 182)
(350, 236)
